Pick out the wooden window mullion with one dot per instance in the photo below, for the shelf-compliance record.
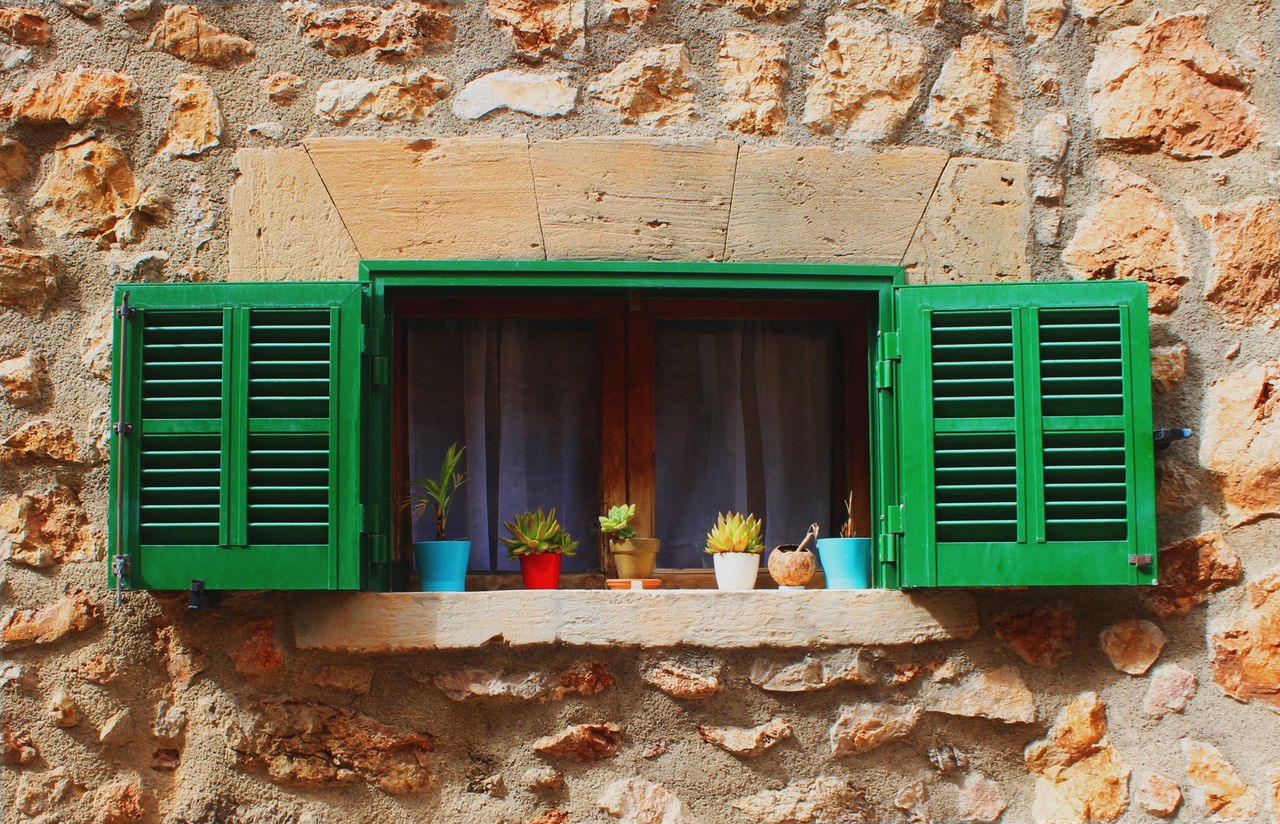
(641, 466)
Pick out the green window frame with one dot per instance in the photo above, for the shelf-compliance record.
(907, 504)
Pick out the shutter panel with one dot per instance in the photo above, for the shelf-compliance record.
(181, 454)
(1026, 447)
(288, 469)
(242, 467)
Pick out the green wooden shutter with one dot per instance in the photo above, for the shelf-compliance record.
(241, 456)
(1026, 435)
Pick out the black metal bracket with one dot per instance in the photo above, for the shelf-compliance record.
(201, 598)
(124, 310)
(1165, 437)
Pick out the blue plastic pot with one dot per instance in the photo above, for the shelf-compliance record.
(442, 565)
(846, 562)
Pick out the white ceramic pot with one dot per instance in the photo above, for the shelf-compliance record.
(736, 570)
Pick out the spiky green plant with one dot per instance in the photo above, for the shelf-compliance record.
(533, 532)
(734, 533)
(439, 493)
(617, 524)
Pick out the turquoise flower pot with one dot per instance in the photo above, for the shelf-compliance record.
(846, 562)
(442, 565)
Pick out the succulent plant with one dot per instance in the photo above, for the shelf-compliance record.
(617, 524)
(533, 532)
(734, 533)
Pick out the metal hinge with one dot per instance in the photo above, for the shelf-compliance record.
(889, 548)
(891, 534)
(1140, 560)
(889, 346)
(379, 369)
(379, 363)
(893, 519)
(371, 532)
(888, 353)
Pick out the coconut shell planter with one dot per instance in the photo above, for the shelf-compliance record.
(792, 566)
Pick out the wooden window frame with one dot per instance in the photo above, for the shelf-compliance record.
(627, 435)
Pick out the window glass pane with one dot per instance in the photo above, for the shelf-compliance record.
(524, 397)
(743, 422)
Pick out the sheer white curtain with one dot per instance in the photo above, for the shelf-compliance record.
(743, 422)
(523, 397)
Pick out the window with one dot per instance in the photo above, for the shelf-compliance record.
(995, 435)
(686, 407)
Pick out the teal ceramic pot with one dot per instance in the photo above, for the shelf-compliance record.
(442, 565)
(846, 562)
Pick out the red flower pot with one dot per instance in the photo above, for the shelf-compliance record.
(541, 570)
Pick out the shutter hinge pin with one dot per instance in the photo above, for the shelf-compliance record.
(120, 567)
(122, 428)
(124, 310)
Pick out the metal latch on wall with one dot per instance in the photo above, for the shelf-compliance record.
(1164, 438)
(120, 568)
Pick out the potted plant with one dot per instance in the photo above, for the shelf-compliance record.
(442, 564)
(735, 543)
(634, 556)
(792, 565)
(846, 561)
(539, 542)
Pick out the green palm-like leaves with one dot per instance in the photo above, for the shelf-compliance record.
(439, 493)
(533, 532)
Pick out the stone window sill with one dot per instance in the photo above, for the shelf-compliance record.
(407, 621)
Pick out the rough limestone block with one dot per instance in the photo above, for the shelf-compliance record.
(815, 205)
(283, 225)
(975, 228)
(634, 198)
(443, 199)
(402, 621)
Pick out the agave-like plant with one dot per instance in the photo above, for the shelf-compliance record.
(734, 533)
(533, 532)
(617, 524)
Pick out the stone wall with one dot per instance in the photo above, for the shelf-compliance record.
(969, 140)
